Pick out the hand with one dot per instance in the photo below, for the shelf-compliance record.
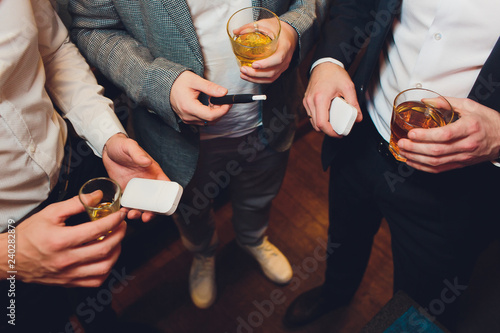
(472, 139)
(124, 159)
(48, 252)
(327, 81)
(269, 69)
(184, 99)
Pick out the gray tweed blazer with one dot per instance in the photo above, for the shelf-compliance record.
(143, 46)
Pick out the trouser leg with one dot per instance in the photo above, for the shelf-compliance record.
(194, 214)
(439, 223)
(251, 171)
(252, 192)
(354, 220)
(219, 161)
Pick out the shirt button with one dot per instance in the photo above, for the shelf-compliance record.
(438, 36)
(32, 148)
(418, 85)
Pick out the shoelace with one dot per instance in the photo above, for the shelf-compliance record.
(266, 249)
(203, 267)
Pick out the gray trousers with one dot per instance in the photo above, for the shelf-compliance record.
(251, 172)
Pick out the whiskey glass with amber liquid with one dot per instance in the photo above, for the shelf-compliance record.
(100, 197)
(254, 33)
(417, 108)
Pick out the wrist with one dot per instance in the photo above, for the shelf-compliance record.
(114, 136)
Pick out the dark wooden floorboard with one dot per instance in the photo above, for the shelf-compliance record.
(247, 302)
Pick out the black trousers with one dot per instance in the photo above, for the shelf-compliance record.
(439, 223)
(41, 308)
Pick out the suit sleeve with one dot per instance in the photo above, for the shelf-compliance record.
(347, 27)
(102, 38)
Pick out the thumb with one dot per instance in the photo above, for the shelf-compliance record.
(163, 176)
(437, 102)
(444, 108)
(138, 155)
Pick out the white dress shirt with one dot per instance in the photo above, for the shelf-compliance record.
(440, 45)
(37, 60)
(221, 66)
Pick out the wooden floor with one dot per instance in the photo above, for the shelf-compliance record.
(158, 265)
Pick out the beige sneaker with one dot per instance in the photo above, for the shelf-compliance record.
(202, 281)
(273, 263)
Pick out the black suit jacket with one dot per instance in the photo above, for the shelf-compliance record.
(356, 34)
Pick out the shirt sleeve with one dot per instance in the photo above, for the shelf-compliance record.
(71, 83)
(327, 59)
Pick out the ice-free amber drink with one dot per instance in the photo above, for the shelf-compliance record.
(417, 108)
(252, 46)
(103, 209)
(254, 33)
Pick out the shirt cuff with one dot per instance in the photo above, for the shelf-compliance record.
(322, 60)
(102, 129)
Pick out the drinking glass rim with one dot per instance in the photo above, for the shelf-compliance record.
(254, 7)
(438, 95)
(99, 178)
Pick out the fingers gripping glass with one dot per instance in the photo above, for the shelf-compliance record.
(417, 108)
(254, 33)
(100, 197)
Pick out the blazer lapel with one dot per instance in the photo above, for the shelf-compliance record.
(181, 15)
(486, 89)
(371, 53)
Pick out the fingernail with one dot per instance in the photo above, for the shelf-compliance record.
(256, 65)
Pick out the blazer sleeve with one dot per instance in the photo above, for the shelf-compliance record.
(347, 27)
(103, 40)
(306, 17)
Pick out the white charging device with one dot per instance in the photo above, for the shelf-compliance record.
(157, 196)
(342, 116)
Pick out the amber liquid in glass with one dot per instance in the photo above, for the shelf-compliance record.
(252, 46)
(408, 115)
(102, 209)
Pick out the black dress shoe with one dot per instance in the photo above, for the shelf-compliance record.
(309, 306)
